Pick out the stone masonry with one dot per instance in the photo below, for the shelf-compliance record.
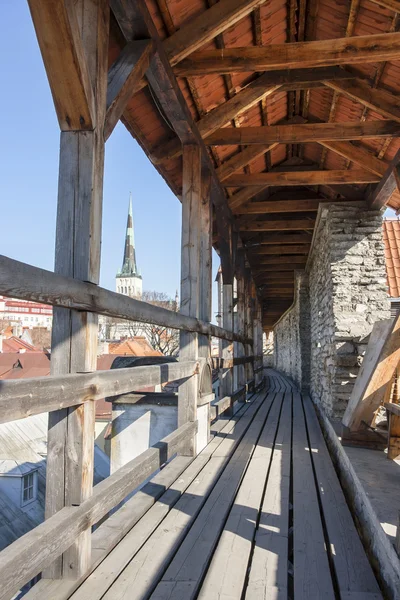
(347, 293)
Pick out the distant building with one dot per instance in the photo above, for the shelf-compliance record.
(128, 280)
(24, 313)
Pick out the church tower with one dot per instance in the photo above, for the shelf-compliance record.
(129, 280)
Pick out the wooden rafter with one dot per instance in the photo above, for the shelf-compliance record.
(310, 132)
(342, 51)
(259, 89)
(389, 184)
(357, 155)
(301, 178)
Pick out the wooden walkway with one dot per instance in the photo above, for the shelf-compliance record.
(258, 515)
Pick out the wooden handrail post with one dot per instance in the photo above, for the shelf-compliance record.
(70, 458)
(190, 296)
(248, 324)
(227, 346)
(240, 273)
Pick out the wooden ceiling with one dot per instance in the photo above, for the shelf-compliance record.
(295, 102)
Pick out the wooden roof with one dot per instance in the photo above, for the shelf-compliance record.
(286, 126)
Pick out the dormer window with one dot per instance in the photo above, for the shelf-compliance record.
(29, 488)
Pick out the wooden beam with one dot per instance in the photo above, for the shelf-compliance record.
(279, 206)
(381, 359)
(310, 132)
(358, 155)
(389, 184)
(204, 27)
(278, 238)
(63, 54)
(19, 280)
(124, 79)
(390, 4)
(300, 55)
(280, 249)
(381, 101)
(278, 225)
(247, 97)
(301, 178)
(241, 159)
(278, 260)
(58, 392)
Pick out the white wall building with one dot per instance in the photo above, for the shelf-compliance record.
(25, 313)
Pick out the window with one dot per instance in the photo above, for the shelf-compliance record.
(28, 488)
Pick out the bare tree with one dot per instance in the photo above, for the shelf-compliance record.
(163, 339)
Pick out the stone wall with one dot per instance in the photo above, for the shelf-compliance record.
(322, 339)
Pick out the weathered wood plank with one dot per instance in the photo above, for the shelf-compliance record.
(279, 206)
(299, 55)
(268, 569)
(278, 225)
(63, 54)
(19, 280)
(124, 78)
(302, 133)
(353, 571)
(190, 562)
(227, 572)
(374, 538)
(312, 577)
(58, 392)
(380, 361)
(26, 557)
(301, 178)
(150, 562)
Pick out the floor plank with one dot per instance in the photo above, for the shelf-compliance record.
(269, 566)
(148, 565)
(227, 572)
(191, 560)
(312, 577)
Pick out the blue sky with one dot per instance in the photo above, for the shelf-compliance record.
(29, 153)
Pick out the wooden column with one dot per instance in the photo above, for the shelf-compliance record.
(205, 264)
(190, 269)
(73, 37)
(257, 343)
(227, 346)
(240, 273)
(248, 324)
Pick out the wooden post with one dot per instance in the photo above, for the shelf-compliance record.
(240, 315)
(190, 266)
(257, 343)
(70, 458)
(248, 324)
(205, 294)
(227, 347)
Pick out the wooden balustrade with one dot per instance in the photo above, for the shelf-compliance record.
(36, 550)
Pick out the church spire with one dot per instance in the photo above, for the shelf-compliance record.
(129, 266)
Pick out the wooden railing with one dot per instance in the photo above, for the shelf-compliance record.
(36, 550)
(19, 280)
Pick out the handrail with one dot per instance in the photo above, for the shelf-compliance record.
(19, 280)
(21, 398)
(37, 549)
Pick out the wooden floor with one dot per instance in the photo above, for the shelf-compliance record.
(259, 514)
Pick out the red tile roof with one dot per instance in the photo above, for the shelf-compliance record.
(14, 344)
(391, 238)
(137, 346)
